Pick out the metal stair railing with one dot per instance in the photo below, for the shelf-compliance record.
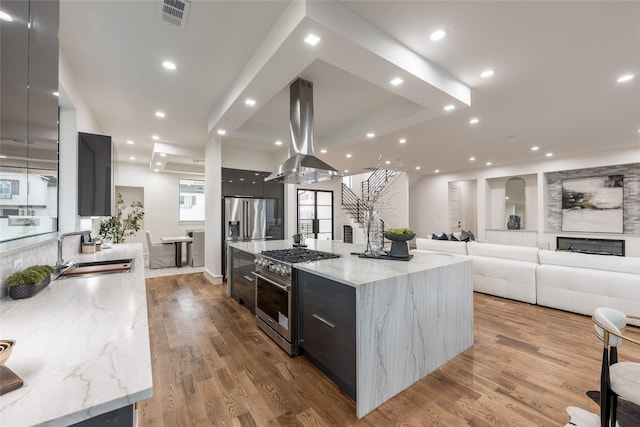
(376, 181)
(352, 204)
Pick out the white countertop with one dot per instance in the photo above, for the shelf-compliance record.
(82, 345)
(350, 269)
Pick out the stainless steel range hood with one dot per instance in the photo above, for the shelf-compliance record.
(302, 166)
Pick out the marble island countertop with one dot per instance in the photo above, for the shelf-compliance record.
(82, 345)
(350, 269)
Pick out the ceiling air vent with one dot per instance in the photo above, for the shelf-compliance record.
(175, 12)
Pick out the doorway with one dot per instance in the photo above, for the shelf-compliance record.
(315, 214)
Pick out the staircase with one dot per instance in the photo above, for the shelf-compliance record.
(355, 206)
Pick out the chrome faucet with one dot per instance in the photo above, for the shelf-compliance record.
(60, 264)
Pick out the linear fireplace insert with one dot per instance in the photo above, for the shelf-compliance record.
(590, 246)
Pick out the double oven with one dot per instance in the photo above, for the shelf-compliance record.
(276, 311)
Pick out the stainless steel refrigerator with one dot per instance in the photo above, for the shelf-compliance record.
(250, 219)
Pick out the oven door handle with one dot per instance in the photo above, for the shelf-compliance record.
(277, 285)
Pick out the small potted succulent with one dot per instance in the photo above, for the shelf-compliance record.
(298, 239)
(28, 282)
(399, 238)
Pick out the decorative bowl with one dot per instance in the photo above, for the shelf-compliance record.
(399, 237)
(5, 350)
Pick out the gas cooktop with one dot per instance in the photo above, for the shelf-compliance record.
(295, 255)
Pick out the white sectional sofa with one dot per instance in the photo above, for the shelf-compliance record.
(581, 282)
(564, 280)
(504, 271)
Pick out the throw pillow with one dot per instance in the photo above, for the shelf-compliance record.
(454, 238)
(434, 237)
(471, 236)
(443, 236)
(464, 236)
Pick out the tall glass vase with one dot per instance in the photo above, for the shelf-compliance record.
(373, 233)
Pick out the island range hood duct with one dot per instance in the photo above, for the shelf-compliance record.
(302, 166)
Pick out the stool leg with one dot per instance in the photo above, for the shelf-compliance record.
(604, 388)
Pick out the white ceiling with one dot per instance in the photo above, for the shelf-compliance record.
(555, 86)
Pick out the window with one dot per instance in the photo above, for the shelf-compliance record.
(191, 200)
(315, 214)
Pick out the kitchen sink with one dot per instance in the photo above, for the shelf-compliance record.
(98, 268)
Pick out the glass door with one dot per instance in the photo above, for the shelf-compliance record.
(315, 214)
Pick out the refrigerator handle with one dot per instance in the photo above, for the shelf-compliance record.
(246, 219)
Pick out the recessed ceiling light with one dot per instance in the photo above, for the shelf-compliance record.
(418, 168)
(472, 159)
(253, 182)
(156, 170)
(438, 35)
(397, 81)
(222, 132)
(323, 151)
(250, 102)
(278, 142)
(163, 155)
(155, 137)
(256, 174)
(487, 73)
(348, 155)
(132, 158)
(402, 140)
(625, 78)
(312, 39)
(506, 197)
(488, 163)
(549, 154)
(387, 162)
(160, 114)
(5, 17)
(158, 163)
(535, 148)
(474, 120)
(130, 142)
(56, 93)
(3, 157)
(449, 107)
(371, 135)
(241, 179)
(169, 65)
(437, 171)
(346, 171)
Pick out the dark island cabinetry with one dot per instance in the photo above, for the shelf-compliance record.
(327, 328)
(241, 282)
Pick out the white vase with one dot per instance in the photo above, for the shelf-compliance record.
(373, 233)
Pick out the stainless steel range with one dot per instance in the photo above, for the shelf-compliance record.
(276, 292)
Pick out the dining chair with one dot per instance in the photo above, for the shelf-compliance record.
(617, 379)
(161, 255)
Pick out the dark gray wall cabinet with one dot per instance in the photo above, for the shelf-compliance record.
(327, 328)
(94, 175)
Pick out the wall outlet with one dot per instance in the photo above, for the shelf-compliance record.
(17, 264)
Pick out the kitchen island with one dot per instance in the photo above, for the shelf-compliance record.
(408, 317)
(82, 347)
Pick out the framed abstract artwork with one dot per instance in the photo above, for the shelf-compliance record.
(593, 204)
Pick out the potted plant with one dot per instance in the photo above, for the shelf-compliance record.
(298, 239)
(28, 282)
(97, 241)
(399, 238)
(126, 222)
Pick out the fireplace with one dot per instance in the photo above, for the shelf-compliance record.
(590, 246)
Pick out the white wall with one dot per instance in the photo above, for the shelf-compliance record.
(236, 158)
(161, 200)
(428, 209)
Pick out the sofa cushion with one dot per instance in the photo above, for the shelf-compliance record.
(516, 253)
(505, 278)
(459, 248)
(629, 265)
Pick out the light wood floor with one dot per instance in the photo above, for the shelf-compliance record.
(213, 367)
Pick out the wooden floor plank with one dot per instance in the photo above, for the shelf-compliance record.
(213, 367)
